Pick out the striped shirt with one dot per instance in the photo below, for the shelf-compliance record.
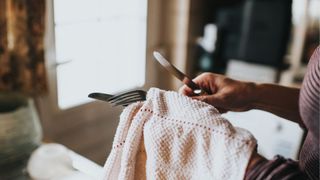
(309, 105)
(309, 110)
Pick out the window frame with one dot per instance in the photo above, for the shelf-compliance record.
(52, 64)
(47, 105)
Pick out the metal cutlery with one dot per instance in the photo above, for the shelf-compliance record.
(123, 99)
(178, 74)
(126, 98)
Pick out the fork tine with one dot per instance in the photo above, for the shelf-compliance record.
(125, 97)
(132, 97)
(128, 101)
(124, 94)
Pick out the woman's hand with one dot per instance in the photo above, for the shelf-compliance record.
(230, 95)
(225, 94)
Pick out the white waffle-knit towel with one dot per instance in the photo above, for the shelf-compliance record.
(171, 136)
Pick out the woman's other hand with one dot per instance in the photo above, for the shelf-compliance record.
(225, 94)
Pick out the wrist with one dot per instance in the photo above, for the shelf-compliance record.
(253, 94)
(254, 166)
(254, 160)
(259, 94)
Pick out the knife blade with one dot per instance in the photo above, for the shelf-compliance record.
(178, 74)
(100, 96)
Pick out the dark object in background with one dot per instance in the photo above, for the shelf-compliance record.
(255, 31)
(229, 21)
(210, 61)
(262, 33)
(265, 31)
(11, 101)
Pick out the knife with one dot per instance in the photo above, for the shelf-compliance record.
(178, 74)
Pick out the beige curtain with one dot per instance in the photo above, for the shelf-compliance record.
(22, 28)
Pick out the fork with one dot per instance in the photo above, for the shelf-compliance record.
(124, 98)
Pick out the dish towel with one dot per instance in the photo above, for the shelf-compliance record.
(171, 136)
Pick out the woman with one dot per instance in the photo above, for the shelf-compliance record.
(300, 106)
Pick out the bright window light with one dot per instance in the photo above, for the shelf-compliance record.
(100, 46)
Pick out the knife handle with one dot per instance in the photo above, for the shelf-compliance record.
(196, 89)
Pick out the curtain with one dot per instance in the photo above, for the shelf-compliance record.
(22, 26)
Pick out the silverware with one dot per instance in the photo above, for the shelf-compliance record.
(123, 99)
(100, 96)
(178, 74)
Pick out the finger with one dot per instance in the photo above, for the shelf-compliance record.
(210, 99)
(222, 110)
(214, 100)
(201, 80)
(203, 98)
(185, 90)
(207, 82)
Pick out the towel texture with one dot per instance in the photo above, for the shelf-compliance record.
(171, 136)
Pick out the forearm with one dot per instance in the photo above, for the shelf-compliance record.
(279, 100)
(278, 168)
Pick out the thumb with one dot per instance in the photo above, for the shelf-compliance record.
(213, 99)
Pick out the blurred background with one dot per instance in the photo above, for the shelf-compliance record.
(55, 52)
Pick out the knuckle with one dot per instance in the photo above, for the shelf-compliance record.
(202, 98)
(224, 97)
(205, 75)
(181, 89)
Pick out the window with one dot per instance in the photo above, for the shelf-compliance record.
(100, 47)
